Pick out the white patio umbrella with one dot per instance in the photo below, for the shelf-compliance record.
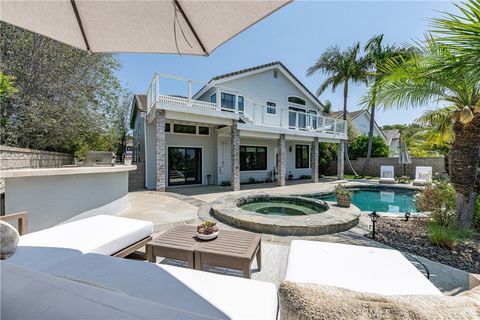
(194, 27)
(404, 157)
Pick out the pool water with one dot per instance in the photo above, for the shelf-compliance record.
(282, 207)
(384, 200)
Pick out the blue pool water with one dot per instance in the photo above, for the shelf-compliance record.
(382, 200)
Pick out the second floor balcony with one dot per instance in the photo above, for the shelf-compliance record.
(238, 105)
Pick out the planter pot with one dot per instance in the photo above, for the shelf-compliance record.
(127, 162)
(344, 201)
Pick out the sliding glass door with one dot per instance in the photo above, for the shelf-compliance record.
(184, 166)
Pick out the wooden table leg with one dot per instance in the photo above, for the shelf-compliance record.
(191, 260)
(259, 256)
(247, 273)
(149, 253)
(198, 261)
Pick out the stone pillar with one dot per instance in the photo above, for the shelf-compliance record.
(341, 160)
(161, 151)
(282, 161)
(235, 148)
(314, 156)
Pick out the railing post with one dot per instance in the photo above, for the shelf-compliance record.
(219, 98)
(335, 126)
(263, 114)
(157, 87)
(323, 124)
(189, 82)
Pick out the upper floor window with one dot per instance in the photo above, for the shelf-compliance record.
(296, 100)
(241, 104)
(213, 98)
(228, 101)
(271, 107)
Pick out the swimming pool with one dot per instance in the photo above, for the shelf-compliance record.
(390, 200)
(283, 206)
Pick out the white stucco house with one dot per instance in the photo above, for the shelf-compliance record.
(260, 122)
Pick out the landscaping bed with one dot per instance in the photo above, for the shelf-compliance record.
(411, 236)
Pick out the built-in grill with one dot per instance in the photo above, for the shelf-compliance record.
(99, 158)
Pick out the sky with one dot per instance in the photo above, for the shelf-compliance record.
(297, 35)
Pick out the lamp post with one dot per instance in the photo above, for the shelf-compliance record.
(374, 217)
(407, 216)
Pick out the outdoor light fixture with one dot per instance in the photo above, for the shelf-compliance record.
(407, 216)
(374, 217)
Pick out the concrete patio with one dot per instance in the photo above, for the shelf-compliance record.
(184, 205)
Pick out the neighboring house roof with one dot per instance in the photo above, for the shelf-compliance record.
(248, 71)
(139, 104)
(355, 114)
(391, 135)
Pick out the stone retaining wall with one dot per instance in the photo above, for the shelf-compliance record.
(20, 158)
(136, 178)
(437, 164)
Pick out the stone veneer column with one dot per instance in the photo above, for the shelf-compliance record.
(341, 160)
(235, 148)
(282, 161)
(161, 157)
(315, 151)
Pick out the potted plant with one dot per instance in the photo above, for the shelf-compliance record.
(290, 175)
(344, 196)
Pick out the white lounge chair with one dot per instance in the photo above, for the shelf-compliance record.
(423, 175)
(358, 268)
(387, 175)
(102, 234)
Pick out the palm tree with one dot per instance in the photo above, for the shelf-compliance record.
(461, 32)
(378, 55)
(327, 107)
(340, 67)
(428, 77)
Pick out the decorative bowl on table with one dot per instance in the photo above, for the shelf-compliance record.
(207, 230)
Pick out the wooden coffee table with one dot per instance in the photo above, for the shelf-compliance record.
(231, 249)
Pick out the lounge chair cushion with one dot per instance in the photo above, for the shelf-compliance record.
(301, 301)
(358, 268)
(29, 294)
(98, 234)
(195, 291)
(8, 240)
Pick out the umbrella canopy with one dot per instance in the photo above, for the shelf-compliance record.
(154, 26)
(404, 157)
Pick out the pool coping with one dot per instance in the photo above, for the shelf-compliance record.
(334, 219)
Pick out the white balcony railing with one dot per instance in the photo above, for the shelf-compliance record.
(253, 112)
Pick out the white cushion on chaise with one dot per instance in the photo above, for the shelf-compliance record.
(191, 290)
(387, 174)
(29, 294)
(100, 234)
(423, 175)
(358, 268)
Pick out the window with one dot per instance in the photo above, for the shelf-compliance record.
(241, 105)
(204, 131)
(167, 127)
(253, 158)
(228, 101)
(302, 156)
(182, 128)
(271, 107)
(296, 100)
(213, 98)
(295, 113)
(313, 116)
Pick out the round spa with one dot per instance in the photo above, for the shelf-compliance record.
(284, 215)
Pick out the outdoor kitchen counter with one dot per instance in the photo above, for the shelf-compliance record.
(18, 173)
(55, 195)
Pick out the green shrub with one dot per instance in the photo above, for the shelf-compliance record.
(226, 183)
(252, 180)
(342, 190)
(358, 148)
(446, 237)
(305, 176)
(327, 152)
(476, 216)
(438, 199)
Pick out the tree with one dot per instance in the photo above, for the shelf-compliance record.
(378, 55)
(359, 146)
(428, 77)
(327, 107)
(67, 100)
(340, 67)
(461, 33)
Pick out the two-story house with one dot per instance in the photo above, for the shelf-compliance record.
(260, 122)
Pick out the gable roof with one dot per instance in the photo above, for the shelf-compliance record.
(247, 71)
(391, 134)
(353, 115)
(139, 104)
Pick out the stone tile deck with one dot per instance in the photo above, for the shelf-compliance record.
(182, 205)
